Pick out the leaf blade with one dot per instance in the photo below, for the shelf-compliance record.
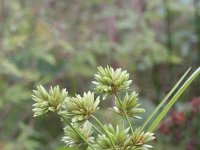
(165, 99)
(173, 100)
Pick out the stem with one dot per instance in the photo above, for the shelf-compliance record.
(112, 142)
(128, 120)
(83, 138)
(123, 123)
(97, 129)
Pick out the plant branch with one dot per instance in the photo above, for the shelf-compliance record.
(97, 129)
(83, 138)
(127, 118)
(112, 142)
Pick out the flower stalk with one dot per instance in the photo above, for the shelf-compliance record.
(127, 118)
(69, 124)
(99, 132)
(107, 134)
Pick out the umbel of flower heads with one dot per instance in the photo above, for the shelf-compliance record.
(110, 81)
(77, 112)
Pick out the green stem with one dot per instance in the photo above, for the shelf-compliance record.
(83, 138)
(128, 120)
(123, 123)
(97, 129)
(112, 142)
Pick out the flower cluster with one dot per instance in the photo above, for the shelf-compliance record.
(48, 101)
(123, 140)
(78, 110)
(130, 105)
(72, 139)
(80, 107)
(109, 80)
(139, 139)
(119, 137)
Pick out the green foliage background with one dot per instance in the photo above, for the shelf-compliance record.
(63, 41)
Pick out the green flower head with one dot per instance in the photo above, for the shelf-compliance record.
(109, 80)
(72, 139)
(47, 101)
(139, 139)
(119, 137)
(80, 107)
(130, 105)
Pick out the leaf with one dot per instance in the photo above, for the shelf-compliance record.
(164, 100)
(173, 100)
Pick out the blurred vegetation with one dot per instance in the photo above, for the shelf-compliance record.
(62, 42)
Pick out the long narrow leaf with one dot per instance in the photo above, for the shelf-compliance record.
(173, 100)
(164, 100)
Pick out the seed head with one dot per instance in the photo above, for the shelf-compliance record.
(80, 107)
(47, 101)
(109, 80)
(130, 105)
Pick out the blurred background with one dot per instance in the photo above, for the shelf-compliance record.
(63, 42)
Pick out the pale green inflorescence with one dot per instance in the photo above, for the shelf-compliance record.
(123, 140)
(130, 105)
(139, 140)
(80, 108)
(118, 135)
(109, 80)
(77, 110)
(72, 139)
(48, 101)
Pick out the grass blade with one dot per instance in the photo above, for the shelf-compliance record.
(164, 100)
(173, 100)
